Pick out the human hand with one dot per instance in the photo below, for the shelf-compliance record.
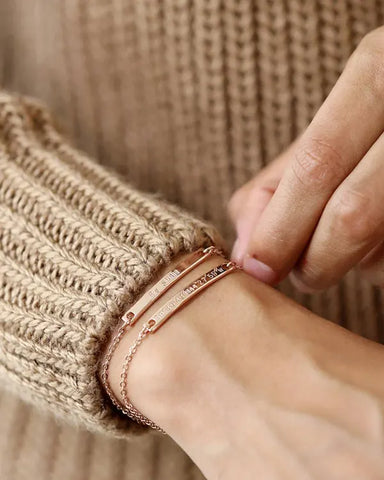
(317, 211)
(252, 385)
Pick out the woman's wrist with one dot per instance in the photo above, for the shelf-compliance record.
(239, 350)
(149, 370)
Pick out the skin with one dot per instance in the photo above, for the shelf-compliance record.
(252, 385)
(248, 383)
(316, 211)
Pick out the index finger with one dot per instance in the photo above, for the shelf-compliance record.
(346, 125)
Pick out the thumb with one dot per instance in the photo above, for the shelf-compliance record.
(249, 201)
(250, 208)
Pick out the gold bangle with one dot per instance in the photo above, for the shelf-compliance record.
(157, 320)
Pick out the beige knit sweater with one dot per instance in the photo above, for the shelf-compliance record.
(176, 104)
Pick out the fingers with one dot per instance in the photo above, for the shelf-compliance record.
(252, 204)
(249, 201)
(351, 225)
(345, 127)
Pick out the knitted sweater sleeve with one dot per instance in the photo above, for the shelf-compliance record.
(77, 245)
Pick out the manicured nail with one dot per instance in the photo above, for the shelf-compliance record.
(237, 252)
(260, 270)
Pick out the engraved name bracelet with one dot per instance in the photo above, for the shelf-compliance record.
(159, 318)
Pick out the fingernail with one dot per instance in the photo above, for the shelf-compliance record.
(237, 252)
(260, 270)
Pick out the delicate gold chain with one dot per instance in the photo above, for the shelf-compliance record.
(148, 298)
(107, 360)
(132, 413)
(157, 320)
(129, 409)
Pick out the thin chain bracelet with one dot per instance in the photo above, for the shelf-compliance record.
(141, 306)
(157, 320)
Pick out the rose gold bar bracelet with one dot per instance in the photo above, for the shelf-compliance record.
(170, 278)
(141, 306)
(157, 320)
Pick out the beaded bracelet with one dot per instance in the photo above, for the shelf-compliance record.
(141, 306)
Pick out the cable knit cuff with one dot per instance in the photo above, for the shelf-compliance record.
(77, 245)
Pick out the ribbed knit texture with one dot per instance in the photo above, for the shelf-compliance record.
(77, 245)
(189, 99)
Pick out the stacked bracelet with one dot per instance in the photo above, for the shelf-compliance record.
(142, 305)
(158, 319)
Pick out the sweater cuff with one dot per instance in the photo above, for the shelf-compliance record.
(77, 246)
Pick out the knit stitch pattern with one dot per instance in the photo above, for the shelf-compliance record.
(189, 98)
(77, 245)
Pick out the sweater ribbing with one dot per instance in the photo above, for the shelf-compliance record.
(73, 255)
